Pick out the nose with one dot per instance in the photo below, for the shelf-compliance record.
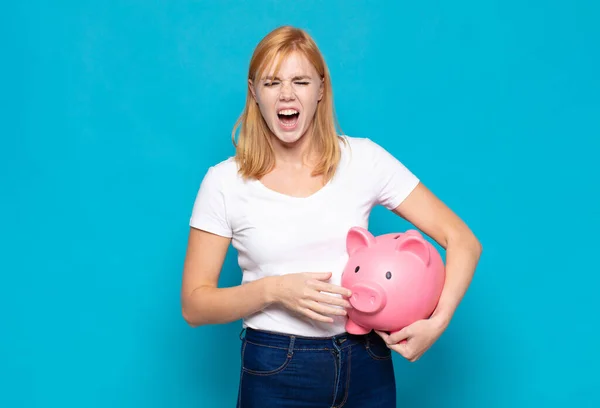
(367, 297)
(287, 92)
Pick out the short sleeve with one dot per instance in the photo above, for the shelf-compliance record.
(209, 212)
(392, 180)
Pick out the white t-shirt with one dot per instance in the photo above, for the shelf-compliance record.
(276, 234)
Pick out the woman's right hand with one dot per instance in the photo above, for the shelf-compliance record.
(302, 293)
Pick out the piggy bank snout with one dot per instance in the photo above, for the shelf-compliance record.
(367, 297)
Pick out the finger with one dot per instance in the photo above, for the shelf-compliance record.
(329, 287)
(315, 316)
(384, 336)
(401, 349)
(390, 339)
(320, 276)
(330, 299)
(323, 309)
(402, 335)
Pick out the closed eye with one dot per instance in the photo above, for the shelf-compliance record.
(274, 83)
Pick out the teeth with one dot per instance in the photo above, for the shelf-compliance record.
(288, 112)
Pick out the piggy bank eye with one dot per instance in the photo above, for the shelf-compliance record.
(356, 269)
(388, 275)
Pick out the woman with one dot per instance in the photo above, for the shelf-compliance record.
(285, 201)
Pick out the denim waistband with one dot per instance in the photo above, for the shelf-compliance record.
(295, 342)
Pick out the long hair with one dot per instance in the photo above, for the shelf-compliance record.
(254, 150)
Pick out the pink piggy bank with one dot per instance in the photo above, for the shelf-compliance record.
(395, 279)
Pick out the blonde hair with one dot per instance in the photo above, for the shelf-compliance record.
(254, 150)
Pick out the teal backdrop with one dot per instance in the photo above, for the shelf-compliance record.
(113, 110)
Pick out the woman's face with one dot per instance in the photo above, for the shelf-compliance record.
(288, 102)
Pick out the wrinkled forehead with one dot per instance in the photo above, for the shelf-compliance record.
(286, 63)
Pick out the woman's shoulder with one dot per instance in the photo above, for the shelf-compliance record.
(223, 172)
(225, 166)
(363, 146)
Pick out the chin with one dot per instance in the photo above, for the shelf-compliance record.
(289, 137)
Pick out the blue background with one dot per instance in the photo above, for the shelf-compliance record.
(113, 110)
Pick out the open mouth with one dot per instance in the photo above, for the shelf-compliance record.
(288, 118)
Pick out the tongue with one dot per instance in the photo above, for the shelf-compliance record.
(288, 119)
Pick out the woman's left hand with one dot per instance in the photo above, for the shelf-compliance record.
(415, 339)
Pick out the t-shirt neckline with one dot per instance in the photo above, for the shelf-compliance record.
(311, 197)
(284, 196)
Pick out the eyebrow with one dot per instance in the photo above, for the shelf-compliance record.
(296, 78)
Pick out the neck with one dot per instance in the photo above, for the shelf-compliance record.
(297, 154)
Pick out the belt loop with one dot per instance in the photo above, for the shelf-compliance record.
(242, 332)
(291, 346)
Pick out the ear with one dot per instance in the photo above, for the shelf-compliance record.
(413, 232)
(358, 238)
(251, 87)
(415, 245)
(321, 89)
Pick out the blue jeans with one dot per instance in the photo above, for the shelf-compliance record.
(291, 371)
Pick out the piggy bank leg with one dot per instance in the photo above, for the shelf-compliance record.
(354, 328)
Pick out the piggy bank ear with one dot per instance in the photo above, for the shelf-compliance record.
(358, 238)
(413, 232)
(415, 245)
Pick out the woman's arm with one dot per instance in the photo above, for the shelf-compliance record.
(201, 301)
(429, 214)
